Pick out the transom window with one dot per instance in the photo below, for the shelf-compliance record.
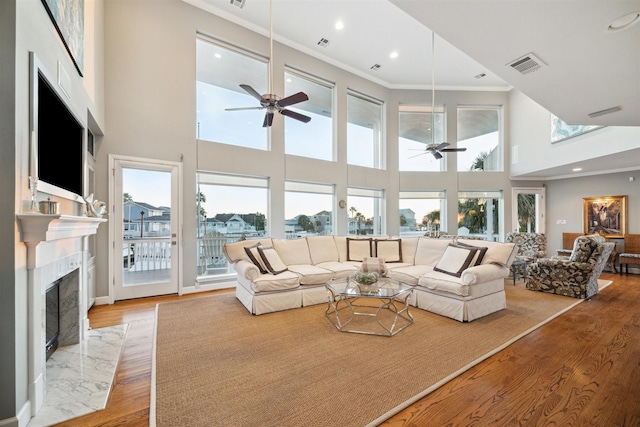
(479, 131)
(220, 70)
(414, 136)
(364, 131)
(313, 139)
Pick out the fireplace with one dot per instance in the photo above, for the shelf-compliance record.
(57, 256)
(52, 319)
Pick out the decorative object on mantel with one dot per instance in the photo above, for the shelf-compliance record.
(49, 207)
(95, 208)
(33, 190)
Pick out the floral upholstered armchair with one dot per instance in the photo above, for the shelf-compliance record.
(576, 276)
(530, 245)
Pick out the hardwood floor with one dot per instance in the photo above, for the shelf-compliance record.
(582, 368)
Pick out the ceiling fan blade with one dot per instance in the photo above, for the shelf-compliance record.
(243, 108)
(293, 99)
(453, 149)
(251, 91)
(294, 115)
(268, 120)
(441, 146)
(437, 155)
(416, 155)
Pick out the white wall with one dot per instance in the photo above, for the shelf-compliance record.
(150, 102)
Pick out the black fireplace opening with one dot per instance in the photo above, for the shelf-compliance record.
(52, 319)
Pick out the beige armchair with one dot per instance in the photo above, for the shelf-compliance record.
(575, 276)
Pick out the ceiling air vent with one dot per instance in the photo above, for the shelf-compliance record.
(375, 67)
(323, 42)
(527, 64)
(239, 3)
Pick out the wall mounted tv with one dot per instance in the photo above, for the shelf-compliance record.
(60, 142)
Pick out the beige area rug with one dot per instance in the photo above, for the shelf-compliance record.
(216, 364)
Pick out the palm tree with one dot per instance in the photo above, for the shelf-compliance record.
(478, 162)
(526, 212)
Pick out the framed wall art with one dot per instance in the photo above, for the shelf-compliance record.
(606, 215)
(68, 18)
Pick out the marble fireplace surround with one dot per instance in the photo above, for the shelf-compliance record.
(56, 246)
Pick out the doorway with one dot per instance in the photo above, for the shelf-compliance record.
(145, 228)
(528, 210)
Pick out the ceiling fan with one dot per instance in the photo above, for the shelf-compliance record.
(272, 103)
(434, 148)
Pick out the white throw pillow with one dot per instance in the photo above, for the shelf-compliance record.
(389, 250)
(455, 260)
(272, 260)
(358, 249)
(254, 256)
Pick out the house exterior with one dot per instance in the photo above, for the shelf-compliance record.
(136, 96)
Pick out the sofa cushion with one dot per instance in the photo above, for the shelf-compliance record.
(444, 282)
(390, 249)
(357, 249)
(235, 251)
(429, 251)
(374, 265)
(275, 282)
(292, 251)
(311, 274)
(497, 253)
(272, 260)
(255, 258)
(409, 274)
(583, 247)
(340, 269)
(322, 249)
(455, 259)
(480, 253)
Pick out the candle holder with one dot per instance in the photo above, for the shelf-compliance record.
(33, 189)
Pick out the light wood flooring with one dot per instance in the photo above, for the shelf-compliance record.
(582, 368)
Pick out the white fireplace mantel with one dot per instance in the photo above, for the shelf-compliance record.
(36, 228)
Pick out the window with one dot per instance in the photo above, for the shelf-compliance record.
(230, 208)
(422, 213)
(308, 209)
(364, 131)
(366, 207)
(479, 131)
(414, 136)
(313, 139)
(220, 69)
(479, 214)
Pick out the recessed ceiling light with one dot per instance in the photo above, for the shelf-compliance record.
(393, 54)
(339, 25)
(576, 169)
(217, 55)
(624, 22)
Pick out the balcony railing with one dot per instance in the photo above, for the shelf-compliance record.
(146, 254)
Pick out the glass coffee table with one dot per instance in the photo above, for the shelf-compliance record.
(382, 311)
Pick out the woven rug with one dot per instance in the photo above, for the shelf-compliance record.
(216, 364)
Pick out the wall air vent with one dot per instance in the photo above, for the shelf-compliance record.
(323, 42)
(527, 64)
(239, 3)
(607, 111)
(375, 67)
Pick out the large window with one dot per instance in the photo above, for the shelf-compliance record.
(479, 214)
(415, 135)
(422, 213)
(308, 209)
(479, 131)
(364, 131)
(313, 139)
(230, 208)
(220, 70)
(366, 207)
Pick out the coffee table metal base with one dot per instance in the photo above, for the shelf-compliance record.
(386, 319)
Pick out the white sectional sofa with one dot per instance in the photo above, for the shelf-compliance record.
(278, 274)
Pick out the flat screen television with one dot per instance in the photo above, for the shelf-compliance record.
(60, 141)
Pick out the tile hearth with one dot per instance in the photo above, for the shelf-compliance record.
(80, 376)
